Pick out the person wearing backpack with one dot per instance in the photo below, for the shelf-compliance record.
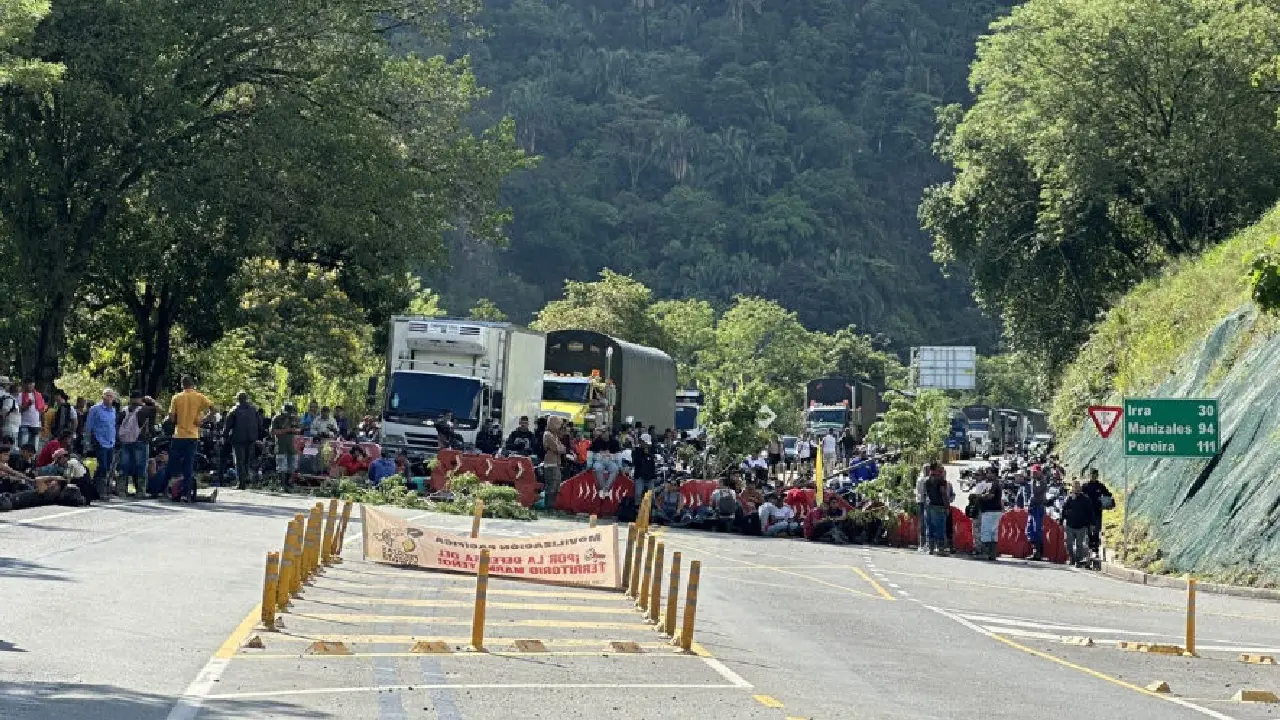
(133, 435)
(724, 501)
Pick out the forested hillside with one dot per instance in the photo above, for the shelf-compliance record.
(721, 147)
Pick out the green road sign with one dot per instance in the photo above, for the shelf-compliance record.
(1167, 427)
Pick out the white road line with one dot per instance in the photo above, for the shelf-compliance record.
(1169, 698)
(472, 686)
(1011, 622)
(733, 677)
(42, 518)
(188, 706)
(893, 585)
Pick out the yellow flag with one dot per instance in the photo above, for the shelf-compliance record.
(819, 484)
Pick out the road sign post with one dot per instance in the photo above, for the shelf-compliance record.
(1163, 428)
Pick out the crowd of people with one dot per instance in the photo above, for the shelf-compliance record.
(1034, 483)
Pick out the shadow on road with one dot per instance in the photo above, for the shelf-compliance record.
(71, 701)
(6, 646)
(15, 568)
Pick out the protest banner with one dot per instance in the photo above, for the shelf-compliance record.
(578, 557)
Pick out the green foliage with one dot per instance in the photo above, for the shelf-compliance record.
(916, 425)
(1088, 159)
(615, 305)
(1011, 380)
(485, 309)
(18, 21)
(1135, 345)
(1265, 277)
(688, 328)
(187, 147)
(715, 149)
(730, 418)
(500, 501)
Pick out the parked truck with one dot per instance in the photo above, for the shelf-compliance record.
(593, 379)
(479, 371)
(829, 403)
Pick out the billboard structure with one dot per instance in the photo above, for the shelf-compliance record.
(944, 367)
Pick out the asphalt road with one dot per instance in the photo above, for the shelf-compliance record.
(141, 610)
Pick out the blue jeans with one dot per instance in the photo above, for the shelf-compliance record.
(182, 458)
(29, 435)
(1035, 524)
(642, 485)
(606, 472)
(133, 462)
(936, 526)
(104, 456)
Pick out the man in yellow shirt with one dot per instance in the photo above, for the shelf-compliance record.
(186, 411)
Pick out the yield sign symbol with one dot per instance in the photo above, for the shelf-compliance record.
(1105, 418)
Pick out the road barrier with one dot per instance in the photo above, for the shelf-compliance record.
(655, 601)
(311, 544)
(269, 587)
(295, 579)
(642, 600)
(475, 520)
(634, 586)
(287, 560)
(690, 606)
(673, 596)
(342, 531)
(1191, 616)
(482, 593)
(330, 523)
(626, 558)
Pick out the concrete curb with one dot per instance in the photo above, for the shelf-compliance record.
(1138, 577)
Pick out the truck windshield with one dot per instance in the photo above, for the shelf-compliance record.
(835, 416)
(565, 391)
(686, 417)
(426, 396)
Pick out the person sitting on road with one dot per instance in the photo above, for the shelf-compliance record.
(324, 427)
(383, 467)
(354, 462)
(23, 459)
(777, 518)
(668, 504)
(489, 439)
(61, 442)
(724, 503)
(604, 460)
(825, 522)
(1078, 514)
(750, 500)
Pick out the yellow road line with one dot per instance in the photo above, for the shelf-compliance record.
(1108, 678)
(708, 553)
(767, 700)
(661, 651)
(240, 634)
(410, 639)
(871, 581)
(740, 581)
(450, 620)
(412, 602)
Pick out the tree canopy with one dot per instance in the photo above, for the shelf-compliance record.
(1107, 137)
(772, 150)
(187, 145)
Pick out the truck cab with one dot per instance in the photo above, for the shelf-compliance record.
(571, 397)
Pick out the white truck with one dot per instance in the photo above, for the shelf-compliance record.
(480, 371)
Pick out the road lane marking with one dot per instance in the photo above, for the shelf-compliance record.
(708, 553)
(452, 620)
(42, 518)
(188, 706)
(1079, 668)
(767, 701)
(418, 602)
(410, 639)
(796, 588)
(724, 671)
(653, 650)
(473, 686)
(878, 587)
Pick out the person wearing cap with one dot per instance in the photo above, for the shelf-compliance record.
(644, 466)
(285, 428)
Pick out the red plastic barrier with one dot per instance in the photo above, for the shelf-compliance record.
(907, 531)
(514, 471)
(801, 501)
(697, 493)
(579, 494)
(1013, 537)
(961, 530)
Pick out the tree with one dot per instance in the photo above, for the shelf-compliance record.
(616, 305)
(1010, 380)
(688, 327)
(185, 139)
(18, 21)
(917, 425)
(850, 355)
(485, 309)
(1087, 159)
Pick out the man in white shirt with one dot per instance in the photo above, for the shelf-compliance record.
(803, 453)
(829, 445)
(777, 518)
